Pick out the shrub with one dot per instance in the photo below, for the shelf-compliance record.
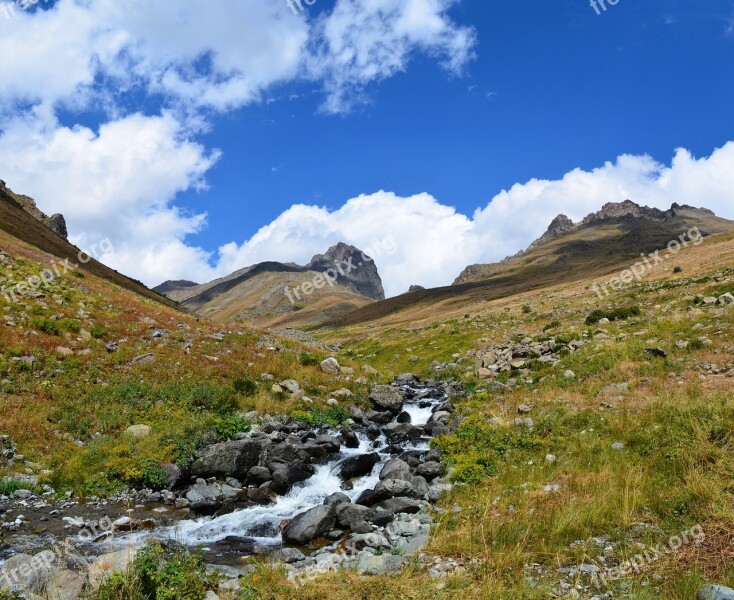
(696, 345)
(527, 309)
(245, 387)
(98, 332)
(678, 269)
(309, 360)
(156, 576)
(154, 476)
(8, 485)
(617, 314)
(214, 398)
(229, 427)
(46, 326)
(322, 417)
(552, 325)
(71, 325)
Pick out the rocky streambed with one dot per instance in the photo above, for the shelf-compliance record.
(314, 499)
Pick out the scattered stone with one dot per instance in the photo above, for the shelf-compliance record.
(139, 432)
(330, 365)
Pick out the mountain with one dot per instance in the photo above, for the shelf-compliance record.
(285, 294)
(618, 229)
(21, 219)
(602, 244)
(55, 223)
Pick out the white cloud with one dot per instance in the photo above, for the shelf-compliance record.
(187, 58)
(117, 184)
(434, 242)
(365, 41)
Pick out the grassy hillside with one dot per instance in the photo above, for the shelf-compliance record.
(15, 222)
(641, 446)
(68, 399)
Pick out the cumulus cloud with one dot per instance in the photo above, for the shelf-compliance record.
(365, 41)
(116, 184)
(188, 60)
(434, 242)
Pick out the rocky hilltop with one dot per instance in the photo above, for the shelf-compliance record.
(282, 294)
(624, 218)
(55, 223)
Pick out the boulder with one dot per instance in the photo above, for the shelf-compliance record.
(229, 459)
(358, 466)
(385, 564)
(396, 469)
(330, 365)
(716, 592)
(25, 573)
(65, 585)
(399, 505)
(349, 516)
(310, 525)
(429, 470)
(139, 432)
(386, 397)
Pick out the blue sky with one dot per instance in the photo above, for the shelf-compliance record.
(446, 105)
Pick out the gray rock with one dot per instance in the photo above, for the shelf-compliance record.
(399, 505)
(396, 469)
(310, 525)
(230, 459)
(23, 573)
(357, 466)
(289, 555)
(716, 592)
(65, 585)
(337, 498)
(330, 365)
(429, 470)
(386, 564)
(349, 515)
(387, 397)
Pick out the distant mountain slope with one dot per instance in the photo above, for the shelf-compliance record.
(603, 243)
(285, 294)
(617, 230)
(20, 223)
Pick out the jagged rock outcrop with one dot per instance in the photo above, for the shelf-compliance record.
(416, 288)
(560, 225)
(55, 223)
(355, 270)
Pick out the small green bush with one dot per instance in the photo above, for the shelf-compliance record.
(309, 360)
(678, 269)
(48, 326)
(527, 309)
(154, 476)
(246, 386)
(618, 314)
(229, 427)
(552, 325)
(98, 332)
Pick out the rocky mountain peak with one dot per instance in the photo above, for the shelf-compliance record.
(55, 223)
(355, 270)
(560, 225)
